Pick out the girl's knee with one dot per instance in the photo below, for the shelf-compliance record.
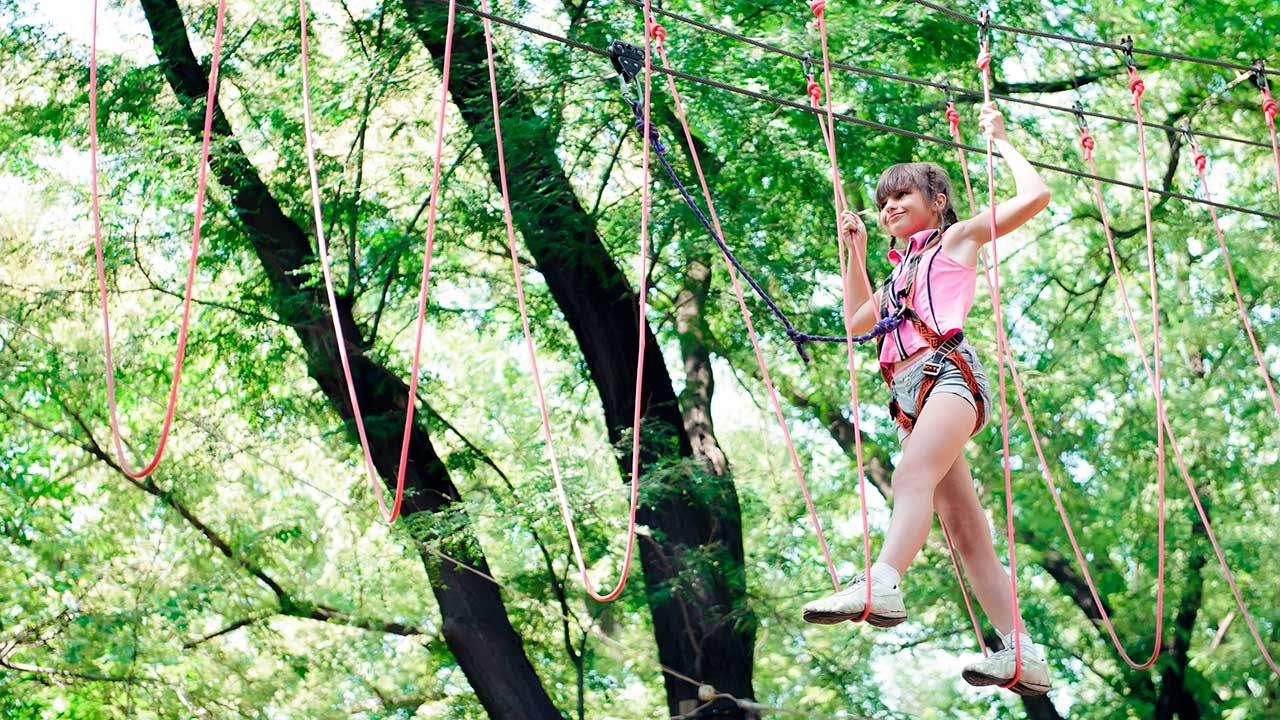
(914, 481)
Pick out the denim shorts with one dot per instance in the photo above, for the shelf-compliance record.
(906, 386)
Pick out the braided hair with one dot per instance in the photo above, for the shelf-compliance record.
(928, 178)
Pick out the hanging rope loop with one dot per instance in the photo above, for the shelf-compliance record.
(1086, 142)
(815, 90)
(984, 56)
(656, 31)
(817, 6)
(1268, 105)
(953, 117)
(1136, 86)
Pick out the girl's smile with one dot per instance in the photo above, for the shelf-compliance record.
(907, 211)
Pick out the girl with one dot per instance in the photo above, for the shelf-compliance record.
(939, 394)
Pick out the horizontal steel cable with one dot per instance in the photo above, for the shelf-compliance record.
(1093, 43)
(848, 118)
(942, 86)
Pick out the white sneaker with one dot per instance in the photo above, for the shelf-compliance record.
(998, 669)
(887, 609)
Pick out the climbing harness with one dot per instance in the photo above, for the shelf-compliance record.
(942, 347)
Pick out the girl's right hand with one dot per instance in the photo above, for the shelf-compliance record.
(853, 231)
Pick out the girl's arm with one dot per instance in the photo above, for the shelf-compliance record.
(863, 307)
(1032, 195)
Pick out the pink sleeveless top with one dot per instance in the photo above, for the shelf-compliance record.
(942, 297)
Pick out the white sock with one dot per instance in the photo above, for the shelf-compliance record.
(885, 573)
(1027, 644)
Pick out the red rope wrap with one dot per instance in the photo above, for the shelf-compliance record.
(1086, 142)
(1136, 86)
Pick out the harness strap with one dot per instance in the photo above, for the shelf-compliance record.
(944, 347)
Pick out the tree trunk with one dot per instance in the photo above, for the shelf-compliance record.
(475, 623)
(1174, 698)
(693, 558)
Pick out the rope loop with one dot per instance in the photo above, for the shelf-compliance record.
(1136, 86)
(815, 90)
(817, 6)
(1200, 161)
(1268, 105)
(953, 117)
(1086, 142)
(656, 31)
(984, 57)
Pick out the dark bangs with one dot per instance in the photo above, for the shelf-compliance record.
(902, 177)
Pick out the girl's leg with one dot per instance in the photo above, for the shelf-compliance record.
(928, 453)
(957, 503)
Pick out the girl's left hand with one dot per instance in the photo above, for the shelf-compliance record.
(991, 121)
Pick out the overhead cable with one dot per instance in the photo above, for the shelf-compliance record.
(850, 118)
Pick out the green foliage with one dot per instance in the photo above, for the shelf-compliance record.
(155, 599)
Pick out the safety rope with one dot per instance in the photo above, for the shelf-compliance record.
(844, 117)
(953, 121)
(659, 35)
(1002, 344)
(201, 185)
(1269, 111)
(1200, 162)
(565, 512)
(851, 261)
(389, 514)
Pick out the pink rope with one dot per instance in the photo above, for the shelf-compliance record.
(854, 263)
(953, 120)
(1231, 274)
(565, 513)
(746, 314)
(390, 515)
(1269, 111)
(1002, 344)
(201, 185)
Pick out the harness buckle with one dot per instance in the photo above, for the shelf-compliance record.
(932, 366)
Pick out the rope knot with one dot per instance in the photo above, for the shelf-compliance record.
(1268, 105)
(1136, 86)
(817, 6)
(815, 91)
(1200, 161)
(984, 58)
(953, 117)
(656, 31)
(1086, 142)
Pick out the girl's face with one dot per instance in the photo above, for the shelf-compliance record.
(906, 212)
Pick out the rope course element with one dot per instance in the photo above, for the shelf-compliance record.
(983, 63)
(851, 261)
(201, 185)
(944, 86)
(1269, 114)
(1092, 43)
(389, 514)
(783, 102)
(659, 35)
(1088, 145)
(1200, 163)
(561, 495)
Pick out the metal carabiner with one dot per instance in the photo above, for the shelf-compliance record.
(984, 27)
(1078, 108)
(1126, 46)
